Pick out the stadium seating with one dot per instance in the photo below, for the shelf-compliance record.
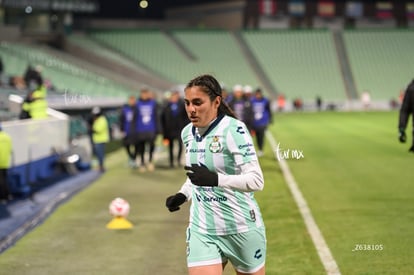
(299, 63)
(210, 51)
(217, 52)
(382, 61)
(86, 42)
(150, 49)
(63, 75)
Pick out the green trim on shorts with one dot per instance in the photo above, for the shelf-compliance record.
(246, 251)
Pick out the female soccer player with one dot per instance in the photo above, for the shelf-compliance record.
(222, 174)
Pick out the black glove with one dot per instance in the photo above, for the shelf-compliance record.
(201, 176)
(173, 202)
(402, 137)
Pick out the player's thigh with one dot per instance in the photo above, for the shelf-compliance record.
(215, 269)
(246, 251)
(202, 250)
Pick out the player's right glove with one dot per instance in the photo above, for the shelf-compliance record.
(402, 137)
(173, 202)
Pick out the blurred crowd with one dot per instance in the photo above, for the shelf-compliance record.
(143, 118)
(35, 103)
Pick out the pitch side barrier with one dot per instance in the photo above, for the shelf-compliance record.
(38, 146)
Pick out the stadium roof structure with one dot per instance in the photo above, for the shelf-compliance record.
(83, 6)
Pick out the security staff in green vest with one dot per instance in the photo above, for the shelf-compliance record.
(5, 158)
(36, 104)
(100, 135)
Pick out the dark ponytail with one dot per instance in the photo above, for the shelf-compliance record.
(213, 89)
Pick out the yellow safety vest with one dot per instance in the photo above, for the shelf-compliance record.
(38, 108)
(5, 150)
(100, 130)
(41, 92)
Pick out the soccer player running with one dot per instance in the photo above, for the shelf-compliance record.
(223, 173)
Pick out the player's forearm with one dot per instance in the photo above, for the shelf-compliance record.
(250, 180)
(186, 189)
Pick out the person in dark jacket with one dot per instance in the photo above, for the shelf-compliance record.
(173, 120)
(407, 109)
(242, 106)
(127, 129)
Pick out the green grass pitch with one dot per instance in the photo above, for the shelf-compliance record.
(355, 176)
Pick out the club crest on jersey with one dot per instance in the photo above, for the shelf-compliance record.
(215, 145)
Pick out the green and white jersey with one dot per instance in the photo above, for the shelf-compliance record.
(223, 148)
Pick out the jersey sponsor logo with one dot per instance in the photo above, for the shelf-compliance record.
(215, 145)
(211, 198)
(206, 188)
(240, 130)
(258, 254)
(197, 150)
(247, 145)
(249, 153)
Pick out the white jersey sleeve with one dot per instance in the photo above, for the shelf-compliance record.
(250, 179)
(186, 189)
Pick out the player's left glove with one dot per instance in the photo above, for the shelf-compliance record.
(173, 202)
(201, 176)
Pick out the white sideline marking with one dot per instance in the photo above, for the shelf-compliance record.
(328, 261)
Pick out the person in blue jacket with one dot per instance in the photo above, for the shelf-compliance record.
(262, 117)
(146, 123)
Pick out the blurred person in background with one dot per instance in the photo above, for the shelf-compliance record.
(35, 104)
(262, 118)
(366, 100)
(241, 106)
(100, 135)
(146, 123)
(407, 109)
(248, 92)
(5, 161)
(32, 75)
(1, 66)
(127, 129)
(281, 102)
(318, 102)
(173, 120)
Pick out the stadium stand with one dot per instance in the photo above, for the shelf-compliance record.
(217, 52)
(64, 76)
(382, 61)
(86, 42)
(83, 47)
(211, 51)
(149, 48)
(299, 63)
